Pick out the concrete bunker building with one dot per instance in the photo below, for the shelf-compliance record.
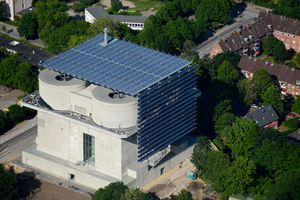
(109, 111)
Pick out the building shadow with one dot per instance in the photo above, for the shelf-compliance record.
(28, 185)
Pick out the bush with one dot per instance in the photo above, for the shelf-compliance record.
(292, 123)
(77, 7)
(224, 196)
(17, 19)
(86, 2)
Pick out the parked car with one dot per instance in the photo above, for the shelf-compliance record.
(291, 114)
(254, 106)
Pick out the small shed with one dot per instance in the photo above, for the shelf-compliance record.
(191, 175)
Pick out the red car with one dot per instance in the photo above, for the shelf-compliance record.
(291, 114)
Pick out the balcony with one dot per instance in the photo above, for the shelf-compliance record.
(283, 86)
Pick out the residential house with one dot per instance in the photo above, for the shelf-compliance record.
(288, 79)
(264, 117)
(248, 40)
(13, 7)
(133, 22)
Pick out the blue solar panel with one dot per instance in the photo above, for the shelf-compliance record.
(119, 65)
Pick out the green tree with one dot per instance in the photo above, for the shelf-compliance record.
(2, 120)
(135, 194)
(200, 152)
(280, 53)
(286, 187)
(221, 108)
(272, 96)
(8, 184)
(228, 55)
(106, 22)
(240, 176)
(269, 45)
(116, 6)
(215, 10)
(28, 26)
(86, 2)
(292, 123)
(296, 105)
(77, 7)
(182, 195)
(113, 191)
(214, 170)
(8, 70)
(223, 121)
(2, 4)
(228, 73)
(16, 113)
(189, 50)
(239, 137)
(26, 79)
(246, 91)
(262, 80)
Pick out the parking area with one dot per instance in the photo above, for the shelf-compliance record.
(7, 97)
(175, 180)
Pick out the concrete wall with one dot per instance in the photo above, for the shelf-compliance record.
(64, 139)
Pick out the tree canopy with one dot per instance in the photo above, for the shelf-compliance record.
(182, 195)
(273, 97)
(269, 45)
(200, 152)
(8, 184)
(279, 53)
(28, 26)
(262, 80)
(113, 191)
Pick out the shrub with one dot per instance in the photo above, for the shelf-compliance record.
(292, 123)
(77, 7)
(17, 18)
(86, 2)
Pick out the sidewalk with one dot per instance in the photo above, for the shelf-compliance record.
(18, 129)
(14, 33)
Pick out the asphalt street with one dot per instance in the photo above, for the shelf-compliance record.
(13, 148)
(249, 17)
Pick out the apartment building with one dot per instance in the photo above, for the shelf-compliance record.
(248, 40)
(288, 79)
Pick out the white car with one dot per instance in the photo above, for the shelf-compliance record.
(254, 106)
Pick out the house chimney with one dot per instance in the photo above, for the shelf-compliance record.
(234, 32)
(244, 27)
(105, 36)
(220, 40)
(247, 25)
(230, 34)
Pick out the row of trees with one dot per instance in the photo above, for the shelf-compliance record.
(119, 191)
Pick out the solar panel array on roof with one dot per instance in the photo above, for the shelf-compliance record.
(120, 65)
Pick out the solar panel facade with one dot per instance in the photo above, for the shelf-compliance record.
(119, 65)
(166, 112)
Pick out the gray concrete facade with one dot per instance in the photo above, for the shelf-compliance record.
(76, 108)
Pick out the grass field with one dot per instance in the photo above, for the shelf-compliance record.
(141, 5)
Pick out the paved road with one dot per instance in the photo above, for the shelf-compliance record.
(249, 17)
(13, 148)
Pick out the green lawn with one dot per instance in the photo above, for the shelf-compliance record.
(269, 59)
(141, 5)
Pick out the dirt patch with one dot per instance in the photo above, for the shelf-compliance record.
(177, 181)
(148, 12)
(127, 4)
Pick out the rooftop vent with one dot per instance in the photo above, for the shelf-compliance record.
(116, 95)
(63, 77)
(250, 36)
(105, 36)
(246, 39)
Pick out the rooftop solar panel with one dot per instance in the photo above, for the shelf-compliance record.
(120, 65)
